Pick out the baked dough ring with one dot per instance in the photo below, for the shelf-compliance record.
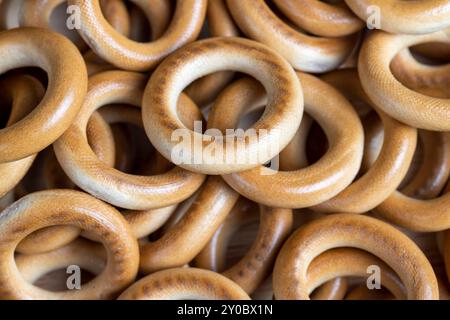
(281, 119)
(111, 185)
(66, 207)
(348, 230)
(321, 18)
(83, 253)
(24, 93)
(131, 55)
(391, 96)
(304, 52)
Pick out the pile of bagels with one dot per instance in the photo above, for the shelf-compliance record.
(117, 179)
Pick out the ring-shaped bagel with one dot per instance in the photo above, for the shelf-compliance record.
(66, 207)
(321, 18)
(109, 184)
(348, 230)
(131, 55)
(305, 53)
(273, 131)
(389, 94)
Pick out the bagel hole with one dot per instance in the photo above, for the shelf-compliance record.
(6, 102)
(140, 26)
(140, 29)
(45, 173)
(358, 286)
(316, 143)
(374, 127)
(248, 119)
(273, 7)
(420, 182)
(56, 281)
(35, 72)
(134, 152)
(432, 53)
(242, 236)
(374, 140)
(6, 111)
(62, 278)
(423, 81)
(241, 242)
(205, 101)
(355, 281)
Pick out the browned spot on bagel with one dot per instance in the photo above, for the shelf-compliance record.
(19, 229)
(210, 45)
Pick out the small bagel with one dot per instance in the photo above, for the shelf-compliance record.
(321, 18)
(304, 52)
(280, 121)
(127, 54)
(109, 184)
(66, 207)
(391, 96)
(347, 230)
